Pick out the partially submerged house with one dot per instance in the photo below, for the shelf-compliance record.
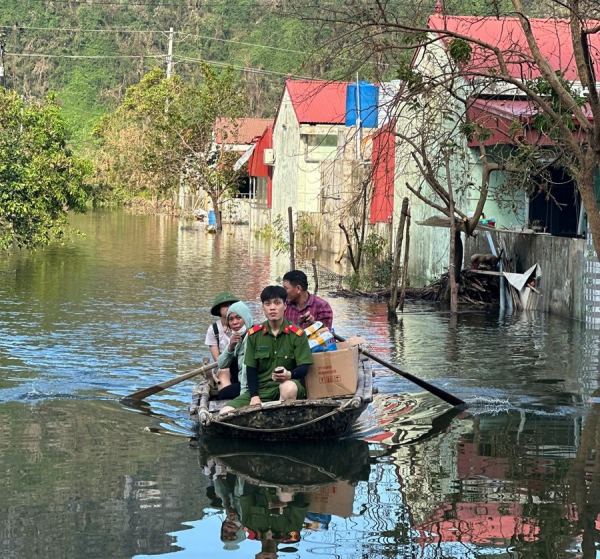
(318, 158)
(542, 224)
(236, 136)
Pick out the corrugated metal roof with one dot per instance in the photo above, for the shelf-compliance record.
(241, 131)
(552, 36)
(497, 115)
(383, 158)
(318, 102)
(256, 164)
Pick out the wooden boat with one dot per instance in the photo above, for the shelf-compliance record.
(323, 418)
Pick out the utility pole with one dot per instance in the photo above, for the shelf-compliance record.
(2, 37)
(170, 54)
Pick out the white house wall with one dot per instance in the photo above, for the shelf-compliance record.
(430, 246)
(288, 152)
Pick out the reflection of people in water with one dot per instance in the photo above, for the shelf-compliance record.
(272, 516)
(227, 488)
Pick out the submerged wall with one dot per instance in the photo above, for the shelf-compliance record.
(562, 260)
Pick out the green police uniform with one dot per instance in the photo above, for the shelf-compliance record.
(265, 352)
(259, 515)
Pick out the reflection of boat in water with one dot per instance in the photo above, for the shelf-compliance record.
(323, 418)
(401, 419)
(299, 464)
(275, 494)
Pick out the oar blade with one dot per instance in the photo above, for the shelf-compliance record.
(143, 394)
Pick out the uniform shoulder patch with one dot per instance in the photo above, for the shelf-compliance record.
(255, 329)
(296, 330)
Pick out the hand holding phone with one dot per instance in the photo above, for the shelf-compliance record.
(280, 374)
(307, 319)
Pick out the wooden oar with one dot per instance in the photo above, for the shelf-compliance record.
(142, 394)
(442, 394)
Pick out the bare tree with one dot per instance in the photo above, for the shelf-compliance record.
(561, 91)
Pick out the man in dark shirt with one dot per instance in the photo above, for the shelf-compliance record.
(273, 344)
(302, 308)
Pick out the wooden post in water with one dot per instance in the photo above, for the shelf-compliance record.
(405, 266)
(292, 242)
(316, 276)
(393, 302)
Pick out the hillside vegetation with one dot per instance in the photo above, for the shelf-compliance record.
(91, 51)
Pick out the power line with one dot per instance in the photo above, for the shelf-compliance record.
(156, 57)
(240, 68)
(80, 30)
(185, 34)
(135, 3)
(243, 43)
(44, 55)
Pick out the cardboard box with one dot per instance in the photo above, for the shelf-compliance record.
(334, 373)
(335, 499)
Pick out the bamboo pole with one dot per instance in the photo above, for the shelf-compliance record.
(292, 241)
(405, 265)
(393, 301)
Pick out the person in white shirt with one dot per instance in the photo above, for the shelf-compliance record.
(218, 334)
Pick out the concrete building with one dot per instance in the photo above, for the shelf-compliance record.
(557, 219)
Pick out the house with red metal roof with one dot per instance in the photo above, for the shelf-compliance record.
(321, 157)
(305, 137)
(555, 219)
(260, 177)
(239, 134)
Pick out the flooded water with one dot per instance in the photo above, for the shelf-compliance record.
(516, 475)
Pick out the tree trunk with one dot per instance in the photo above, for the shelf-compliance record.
(393, 300)
(585, 184)
(452, 269)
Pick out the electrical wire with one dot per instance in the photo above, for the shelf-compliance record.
(44, 55)
(151, 31)
(241, 68)
(177, 58)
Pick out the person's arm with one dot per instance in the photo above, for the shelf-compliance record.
(224, 360)
(300, 371)
(303, 358)
(324, 313)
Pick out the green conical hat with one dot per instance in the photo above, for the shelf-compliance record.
(220, 299)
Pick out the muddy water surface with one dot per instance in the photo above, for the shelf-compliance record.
(127, 306)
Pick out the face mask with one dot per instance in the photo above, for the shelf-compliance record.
(242, 330)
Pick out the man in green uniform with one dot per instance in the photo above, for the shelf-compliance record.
(277, 356)
(273, 517)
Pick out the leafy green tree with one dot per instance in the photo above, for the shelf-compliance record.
(40, 179)
(164, 133)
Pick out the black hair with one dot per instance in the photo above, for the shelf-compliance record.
(273, 292)
(296, 277)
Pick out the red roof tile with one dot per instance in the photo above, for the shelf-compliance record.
(318, 102)
(552, 35)
(242, 132)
